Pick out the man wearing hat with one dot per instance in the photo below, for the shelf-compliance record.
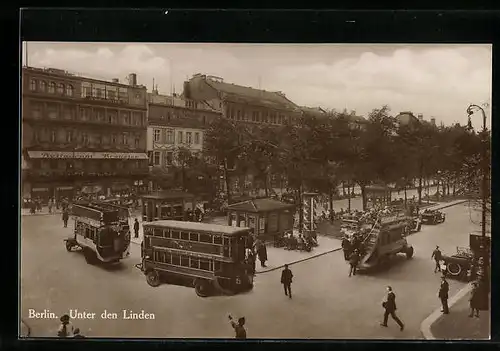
(66, 329)
(239, 328)
(437, 256)
(443, 294)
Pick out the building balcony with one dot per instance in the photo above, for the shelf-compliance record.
(79, 122)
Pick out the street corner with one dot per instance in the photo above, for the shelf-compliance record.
(456, 324)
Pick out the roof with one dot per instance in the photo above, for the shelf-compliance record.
(259, 205)
(196, 226)
(251, 93)
(313, 110)
(165, 195)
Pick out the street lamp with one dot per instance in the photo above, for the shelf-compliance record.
(484, 189)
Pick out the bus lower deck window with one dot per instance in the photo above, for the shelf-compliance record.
(176, 260)
(193, 236)
(166, 233)
(175, 234)
(217, 265)
(184, 235)
(205, 265)
(205, 238)
(195, 263)
(185, 261)
(158, 232)
(217, 240)
(168, 258)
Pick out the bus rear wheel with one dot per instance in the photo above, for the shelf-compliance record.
(454, 269)
(153, 278)
(409, 252)
(202, 287)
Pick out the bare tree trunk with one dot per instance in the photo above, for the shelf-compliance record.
(301, 208)
(454, 187)
(266, 184)
(331, 205)
(228, 184)
(343, 188)
(348, 197)
(363, 195)
(405, 194)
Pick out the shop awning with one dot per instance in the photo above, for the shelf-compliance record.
(87, 155)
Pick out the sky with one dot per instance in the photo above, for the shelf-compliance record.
(435, 80)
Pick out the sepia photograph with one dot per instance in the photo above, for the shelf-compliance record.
(255, 191)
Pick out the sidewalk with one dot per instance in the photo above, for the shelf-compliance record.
(43, 212)
(458, 325)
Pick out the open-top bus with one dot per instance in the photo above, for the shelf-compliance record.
(209, 257)
(100, 232)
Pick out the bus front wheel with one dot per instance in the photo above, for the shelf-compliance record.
(153, 278)
(202, 287)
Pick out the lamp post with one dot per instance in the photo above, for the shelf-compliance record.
(483, 276)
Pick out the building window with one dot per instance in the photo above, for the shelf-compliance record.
(85, 138)
(98, 92)
(169, 156)
(69, 90)
(69, 136)
(32, 85)
(156, 158)
(68, 112)
(196, 138)
(156, 135)
(60, 89)
(53, 136)
(179, 137)
(111, 95)
(36, 109)
(52, 87)
(125, 139)
(52, 111)
(189, 137)
(137, 142)
(53, 164)
(84, 114)
(36, 135)
(98, 139)
(113, 139)
(169, 137)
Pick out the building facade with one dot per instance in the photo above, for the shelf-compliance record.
(81, 134)
(242, 104)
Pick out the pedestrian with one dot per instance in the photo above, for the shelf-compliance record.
(50, 204)
(286, 280)
(353, 262)
(346, 247)
(474, 300)
(443, 294)
(65, 217)
(389, 305)
(437, 257)
(239, 329)
(77, 335)
(66, 328)
(32, 207)
(262, 253)
(136, 228)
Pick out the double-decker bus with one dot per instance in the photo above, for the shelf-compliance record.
(100, 233)
(210, 257)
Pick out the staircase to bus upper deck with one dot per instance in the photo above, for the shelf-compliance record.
(370, 242)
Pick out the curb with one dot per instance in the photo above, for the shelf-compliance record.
(40, 214)
(425, 327)
(298, 261)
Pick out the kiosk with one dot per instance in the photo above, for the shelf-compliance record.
(167, 205)
(267, 218)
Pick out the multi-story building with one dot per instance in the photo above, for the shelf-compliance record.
(240, 103)
(81, 134)
(174, 124)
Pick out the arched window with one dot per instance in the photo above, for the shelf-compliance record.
(69, 90)
(32, 85)
(52, 87)
(43, 86)
(60, 89)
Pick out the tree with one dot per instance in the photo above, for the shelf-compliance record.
(224, 142)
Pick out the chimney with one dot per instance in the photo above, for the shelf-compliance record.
(433, 121)
(420, 117)
(115, 80)
(132, 79)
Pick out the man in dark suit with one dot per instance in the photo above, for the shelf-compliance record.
(353, 262)
(443, 294)
(286, 280)
(437, 256)
(389, 304)
(346, 247)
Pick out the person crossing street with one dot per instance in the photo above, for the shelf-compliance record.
(437, 257)
(286, 280)
(353, 262)
(136, 228)
(389, 305)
